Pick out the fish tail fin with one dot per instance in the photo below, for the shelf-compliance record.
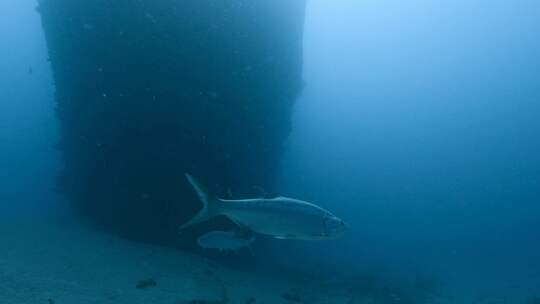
(208, 200)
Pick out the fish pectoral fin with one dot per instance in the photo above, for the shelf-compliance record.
(242, 229)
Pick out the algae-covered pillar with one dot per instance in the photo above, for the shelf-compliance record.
(147, 90)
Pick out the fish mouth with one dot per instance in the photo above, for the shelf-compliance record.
(334, 228)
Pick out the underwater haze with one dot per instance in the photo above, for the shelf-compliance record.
(28, 129)
(419, 124)
(414, 122)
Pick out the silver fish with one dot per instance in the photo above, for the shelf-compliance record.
(279, 217)
(225, 241)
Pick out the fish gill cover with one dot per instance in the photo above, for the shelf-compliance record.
(148, 90)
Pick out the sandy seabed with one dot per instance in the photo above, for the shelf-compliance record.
(59, 261)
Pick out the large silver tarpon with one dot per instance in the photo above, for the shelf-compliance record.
(279, 217)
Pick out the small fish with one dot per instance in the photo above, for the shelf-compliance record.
(225, 241)
(279, 217)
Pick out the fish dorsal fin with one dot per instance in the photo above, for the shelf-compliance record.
(263, 193)
(272, 196)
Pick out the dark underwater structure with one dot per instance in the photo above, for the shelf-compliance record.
(148, 90)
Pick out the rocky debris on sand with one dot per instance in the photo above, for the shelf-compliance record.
(294, 295)
(148, 283)
(224, 300)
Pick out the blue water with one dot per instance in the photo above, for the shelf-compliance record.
(28, 128)
(418, 125)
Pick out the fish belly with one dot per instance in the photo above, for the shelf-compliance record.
(273, 224)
